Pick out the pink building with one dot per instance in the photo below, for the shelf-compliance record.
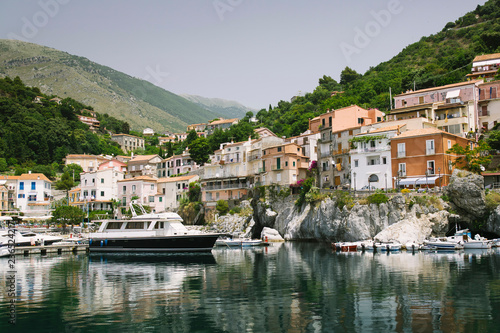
(113, 164)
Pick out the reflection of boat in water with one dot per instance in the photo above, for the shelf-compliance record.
(162, 232)
(155, 258)
(238, 242)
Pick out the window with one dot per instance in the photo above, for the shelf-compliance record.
(179, 186)
(356, 164)
(430, 168)
(21, 186)
(402, 169)
(293, 163)
(160, 199)
(124, 189)
(102, 180)
(429, 144)
(384, 160)
(401, 149)
(102, 193)
(133, 188)
(449, 144)
(279, 149)
(421, 100)
(124, 201)
(152, 186)
(151, 198)
(33, 186)
(85, 194)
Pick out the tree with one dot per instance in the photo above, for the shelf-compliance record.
(3, 164)
(194, 193)
(66, 183)
(191, 137)
(74, 170)
(474, 160)
(222, 207)
(68, 215)
(348, 75)
(199, 150)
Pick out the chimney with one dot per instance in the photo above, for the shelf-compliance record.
(29, 172)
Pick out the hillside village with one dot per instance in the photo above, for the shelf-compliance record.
(351, 148)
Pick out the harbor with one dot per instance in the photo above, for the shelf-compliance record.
(284, 287)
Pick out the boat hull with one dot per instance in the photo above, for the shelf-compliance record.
(184, 243)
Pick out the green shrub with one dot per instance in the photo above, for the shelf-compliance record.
(444, 197)
(377, 198)
(492, 200)
(344, 199)
(222, 207)
(235, 210)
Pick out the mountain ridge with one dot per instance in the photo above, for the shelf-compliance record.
(137, 101)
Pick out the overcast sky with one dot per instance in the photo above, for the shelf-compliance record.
(256, 52)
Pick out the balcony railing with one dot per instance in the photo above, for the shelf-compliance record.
(430, 151)
(254, 157)
(224, 186)
(484, 113)
(401, 153)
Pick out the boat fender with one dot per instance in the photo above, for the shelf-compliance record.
(101, 243)
(106, 242)
(90, 241)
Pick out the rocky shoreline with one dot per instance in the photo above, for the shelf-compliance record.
(404, 218)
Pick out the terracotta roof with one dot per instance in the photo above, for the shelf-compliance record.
(75, 190)
(175, 179)
(386, 129)
(85, 156)
(123, 134)
(441, 87)
(224, 121)
(139, 158)
(422, 132)
(34, 176)
(487, 57)
(144, 178)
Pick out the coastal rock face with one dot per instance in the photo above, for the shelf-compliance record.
(326, 222)
(466, 194)
(493, 223)
(271, 235)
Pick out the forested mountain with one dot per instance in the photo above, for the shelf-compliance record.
(443, 58)
(136, 101)
(44, 132)
(230, 109)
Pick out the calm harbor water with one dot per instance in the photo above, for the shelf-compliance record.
(291, 287)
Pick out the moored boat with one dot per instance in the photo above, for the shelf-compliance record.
(162, 232)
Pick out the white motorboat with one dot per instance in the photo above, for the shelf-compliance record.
(237, 242)
(163, 232)
(477, 243)
(392, 247)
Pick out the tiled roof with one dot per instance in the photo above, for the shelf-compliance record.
(139, 158)
(422, 132)
(439, 88)
(144, 178)
(34, 176)
(487, 57)
(175, 179)
(224, 121)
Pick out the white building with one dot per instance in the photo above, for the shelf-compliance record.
(371, 159)
(33, 194)
(144, 188)
(99, 188)
(172, 189)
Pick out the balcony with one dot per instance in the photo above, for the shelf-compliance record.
(224, 186)
(254, 157)
(372, 149)
(277, 168)
(401, 153)
(430, 151)
(485, 113)
(451, 121)
(326, 154)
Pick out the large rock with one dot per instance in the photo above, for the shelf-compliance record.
(466, 194)
(493, 223)
(271, 235)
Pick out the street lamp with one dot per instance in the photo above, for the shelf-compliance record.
(385, 182)
(426, 181)
(439, 171)
(354, 174)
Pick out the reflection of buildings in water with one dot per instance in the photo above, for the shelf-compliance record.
(32, 277)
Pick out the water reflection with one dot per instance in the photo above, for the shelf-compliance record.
(291, 287)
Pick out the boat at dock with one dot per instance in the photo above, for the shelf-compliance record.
(149, 232)
(238, 242)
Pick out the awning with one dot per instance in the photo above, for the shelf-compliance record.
(453, 94)
(418, 181)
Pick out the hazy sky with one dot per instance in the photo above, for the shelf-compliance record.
(256, 52)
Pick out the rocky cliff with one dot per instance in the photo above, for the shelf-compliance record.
(404, 218)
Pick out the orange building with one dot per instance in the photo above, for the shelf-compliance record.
(349, 117)
(419, 157)
(284, 164)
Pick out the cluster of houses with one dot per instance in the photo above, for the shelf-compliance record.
(350, 148)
